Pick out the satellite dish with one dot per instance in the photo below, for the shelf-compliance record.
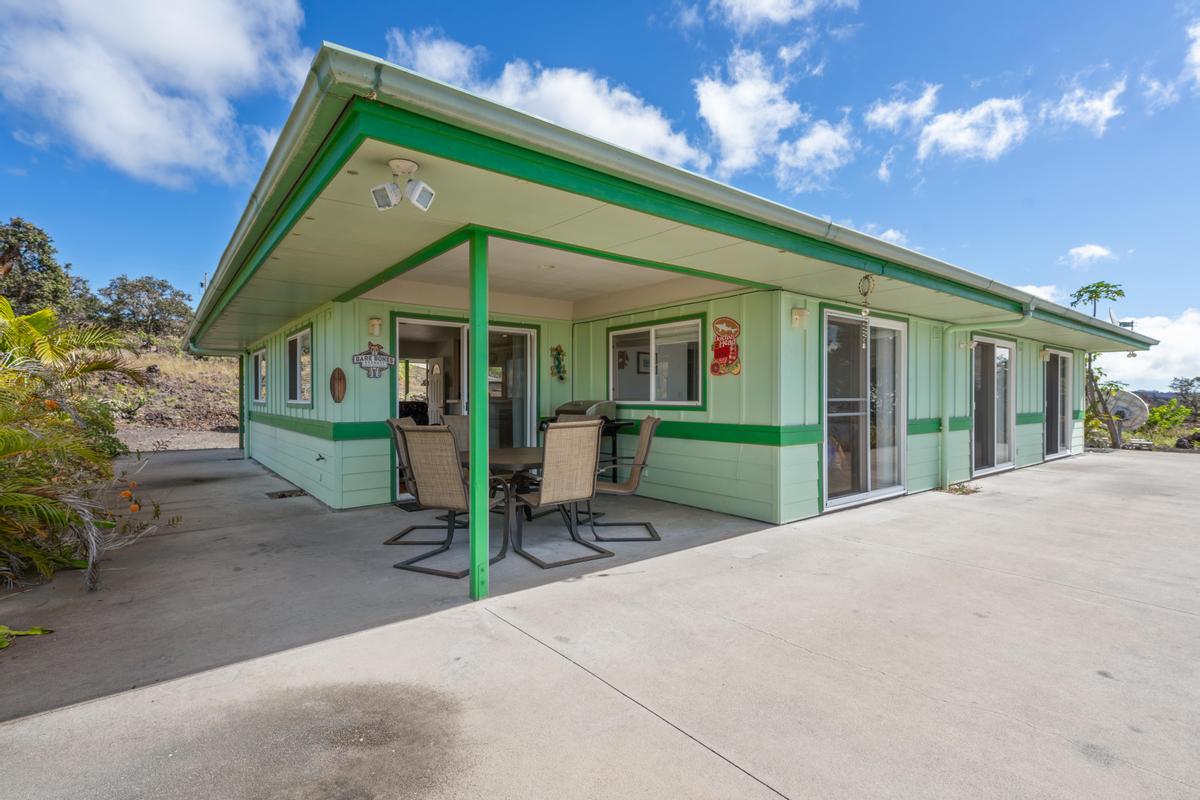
(1129, 410)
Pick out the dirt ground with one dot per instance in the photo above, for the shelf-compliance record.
(146, 440)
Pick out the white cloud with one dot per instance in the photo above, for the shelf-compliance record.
(895, 237)
(1176, 355)
(1191, 62)
(1049, 292)
(885, 166)
(1157, 94)
(1087, 254)
(430, 53)
(896, 113)
(591, 105)
(688, 16)
(148, 88)
(1091, 110)
(987, 130)
(806, 164)
(745, 15)
(746, 114)
(790, 52)
(573, 98)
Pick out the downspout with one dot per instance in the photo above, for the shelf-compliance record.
(948, 335)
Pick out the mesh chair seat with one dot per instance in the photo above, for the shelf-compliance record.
(569, 459)
(636, 465)
(439, 482)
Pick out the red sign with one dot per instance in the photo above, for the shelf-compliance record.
(725, 360)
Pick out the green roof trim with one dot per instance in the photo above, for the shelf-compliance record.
(361, 119)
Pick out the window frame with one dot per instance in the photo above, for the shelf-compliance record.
(701, 322)
(294, 374)
(259, 355)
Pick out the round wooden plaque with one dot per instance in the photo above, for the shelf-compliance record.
(337, 385)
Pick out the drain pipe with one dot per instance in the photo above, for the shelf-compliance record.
(948, 335)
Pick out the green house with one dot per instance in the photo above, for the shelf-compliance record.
(798, 366)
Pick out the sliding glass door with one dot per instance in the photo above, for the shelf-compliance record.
(864, 408)
(993, 419)
(1058, 404)
(432, 359)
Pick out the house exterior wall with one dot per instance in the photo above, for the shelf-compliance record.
(753, 448)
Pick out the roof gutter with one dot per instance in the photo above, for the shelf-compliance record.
(319, 84)
(342, 72)
(948, 334)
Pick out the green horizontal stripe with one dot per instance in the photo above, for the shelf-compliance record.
(919, 426)
(769, 435)
(1032, 418)
(960, 423)
(323, 429)
(319, 428)
(1078, 413)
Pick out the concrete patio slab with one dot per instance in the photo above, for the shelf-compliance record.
(244, 575)
(1037, 639)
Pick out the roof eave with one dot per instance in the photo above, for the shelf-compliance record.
(339, 73)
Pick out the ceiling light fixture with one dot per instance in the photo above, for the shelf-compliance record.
(403, 187)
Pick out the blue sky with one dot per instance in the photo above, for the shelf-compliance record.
(1046, 145)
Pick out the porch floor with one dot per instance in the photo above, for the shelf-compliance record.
(244, 575)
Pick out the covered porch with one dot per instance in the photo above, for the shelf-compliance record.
(591, 256)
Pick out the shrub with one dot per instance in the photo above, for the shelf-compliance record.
(1166, 416)
(56, 447)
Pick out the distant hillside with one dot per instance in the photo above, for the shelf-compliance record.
(1154, 397)
(181, 393)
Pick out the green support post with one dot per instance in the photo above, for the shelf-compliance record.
(478, 391)
(242, 403)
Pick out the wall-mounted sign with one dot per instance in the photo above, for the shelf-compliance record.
(373, 360)
(558, 362)
(725, 360)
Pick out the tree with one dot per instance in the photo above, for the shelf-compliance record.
(1095, 292)
(30, 275)
(147, 305)
(1098, 396)
(1188, 390)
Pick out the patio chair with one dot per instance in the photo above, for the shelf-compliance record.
(460, 426)
(436, 467)
(636, 466)
(568, 479)
(397, 427)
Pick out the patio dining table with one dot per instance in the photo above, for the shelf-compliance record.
(510, 459)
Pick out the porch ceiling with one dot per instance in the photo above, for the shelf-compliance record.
(341, 241)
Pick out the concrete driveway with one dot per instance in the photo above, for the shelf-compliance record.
(1038, 639)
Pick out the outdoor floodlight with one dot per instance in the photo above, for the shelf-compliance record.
(403, 187)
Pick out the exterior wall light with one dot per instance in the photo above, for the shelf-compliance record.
(799, 317)
(374, 326)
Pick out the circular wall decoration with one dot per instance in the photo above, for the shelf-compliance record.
(337, 385)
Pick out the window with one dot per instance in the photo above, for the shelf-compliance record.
(258, 376)
(299, 362)
(657, 364)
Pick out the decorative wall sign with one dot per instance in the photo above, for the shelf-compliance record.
(643, 363)
(337, 385)
(558, 362)
(373, 360)
(726, 360)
